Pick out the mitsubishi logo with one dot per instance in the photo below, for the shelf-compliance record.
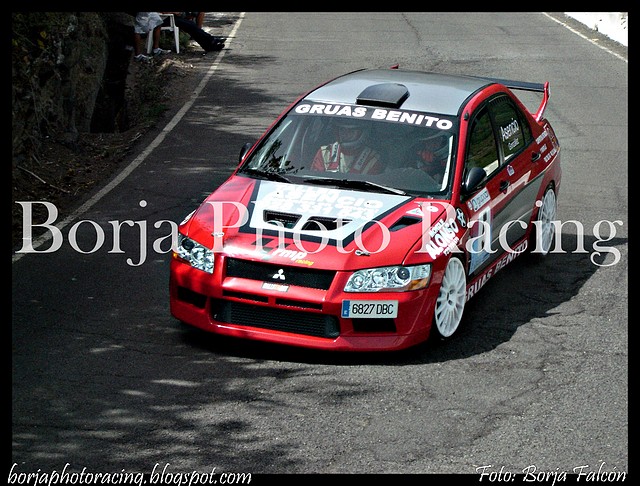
(279, 275)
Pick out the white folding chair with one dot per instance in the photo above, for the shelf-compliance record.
(171, 27)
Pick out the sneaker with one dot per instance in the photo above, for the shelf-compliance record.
(142, 58)
(158, 51)
(215, 45)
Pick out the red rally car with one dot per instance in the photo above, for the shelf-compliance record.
(370, 212)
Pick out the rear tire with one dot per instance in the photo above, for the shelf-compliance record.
(544, 230)
(451, 299)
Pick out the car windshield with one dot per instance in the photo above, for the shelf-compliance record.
(358, 152)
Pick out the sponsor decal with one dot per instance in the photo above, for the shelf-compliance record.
(480, 238)
(303, 261)
(511, 130)
(491, 271)
(548, 157)
(552, 136)
(275, 286)
(462, 221)
(541, 137)
(364, 113)
(292, 252)
(351, 210)
(443, 238)
(479, 200)
(422, 206)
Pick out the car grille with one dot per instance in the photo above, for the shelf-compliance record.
(306, 323)
(303, 277)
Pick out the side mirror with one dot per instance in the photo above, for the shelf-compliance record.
(473, 179)
(243, 151)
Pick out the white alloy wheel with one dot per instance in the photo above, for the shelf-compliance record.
(545, 228)
(451, 299)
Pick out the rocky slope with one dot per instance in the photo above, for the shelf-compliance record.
(80, 103)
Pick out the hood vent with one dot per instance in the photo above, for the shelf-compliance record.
(404, 222)
(286, 220)
(390, 95)
(318, 223)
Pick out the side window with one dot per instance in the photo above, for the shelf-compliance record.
(512, 129)
(482, 144)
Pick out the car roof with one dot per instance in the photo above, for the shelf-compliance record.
(429, 92)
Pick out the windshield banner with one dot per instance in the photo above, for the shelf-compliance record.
(382, 114)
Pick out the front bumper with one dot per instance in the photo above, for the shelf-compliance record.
(244, 307)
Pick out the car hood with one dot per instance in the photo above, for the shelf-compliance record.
(310, 225)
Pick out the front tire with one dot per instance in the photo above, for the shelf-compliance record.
(451, 299)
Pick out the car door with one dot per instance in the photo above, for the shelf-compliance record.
(500, 143)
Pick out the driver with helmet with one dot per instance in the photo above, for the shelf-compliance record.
(432, 156)
(349, 153)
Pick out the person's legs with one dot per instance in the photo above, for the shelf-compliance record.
(137, 48)
(207, 41)
(200, 20)
(156, 38)
(156, 42)
(137, 43)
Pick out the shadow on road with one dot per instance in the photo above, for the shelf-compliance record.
(529, 288)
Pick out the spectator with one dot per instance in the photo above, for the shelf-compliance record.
(188, 23)
(350, 153)
(147, 23)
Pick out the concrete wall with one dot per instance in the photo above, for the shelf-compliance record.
(611, 24)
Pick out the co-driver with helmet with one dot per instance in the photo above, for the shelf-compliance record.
(432, 156)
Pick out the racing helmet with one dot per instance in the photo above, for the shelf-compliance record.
(434, 151)
(351, 134)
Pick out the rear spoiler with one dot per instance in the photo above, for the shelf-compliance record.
(526, 86)
(522, 85)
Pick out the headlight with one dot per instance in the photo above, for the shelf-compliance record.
(389, 279)
(195, 254)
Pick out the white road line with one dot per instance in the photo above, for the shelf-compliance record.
(140, 158)
(593, 41)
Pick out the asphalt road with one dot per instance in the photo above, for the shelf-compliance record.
(103, 378)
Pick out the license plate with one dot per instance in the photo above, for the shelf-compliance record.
(367, 309)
